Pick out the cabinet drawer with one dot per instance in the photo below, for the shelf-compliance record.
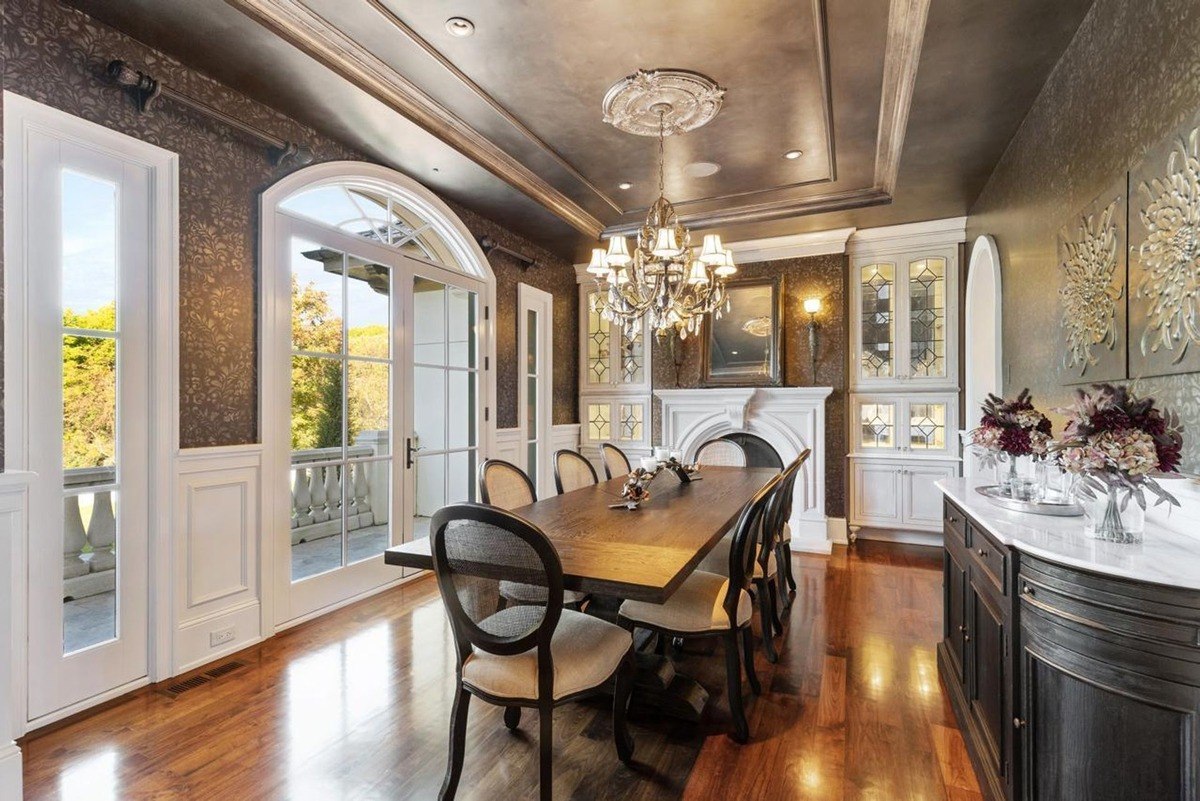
(954, 523)
(989, 555)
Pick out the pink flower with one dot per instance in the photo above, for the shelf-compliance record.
(1130, 450)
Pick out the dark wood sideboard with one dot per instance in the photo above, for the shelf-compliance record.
(1068, 684)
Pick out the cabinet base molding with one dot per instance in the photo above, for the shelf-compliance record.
(10, 771)
(926, 538)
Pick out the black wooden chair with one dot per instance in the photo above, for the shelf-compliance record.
(783, 548)
(616, 463)
(505, 485)
(711, 604)
(573, 471)
(721, 452)
(520, 656)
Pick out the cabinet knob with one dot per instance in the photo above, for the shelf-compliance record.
(983, 552)
(1027, 589)
(952, 519)
(962, 629)
(966, 637)
(1018, 723)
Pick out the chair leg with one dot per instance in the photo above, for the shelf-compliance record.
(765, 617)
(773, 597)
(748, 659)
(733, 676)
(546, 748)
(791, 577)
(781, 578)
(512, 717)
(621, 693)
(458, 739)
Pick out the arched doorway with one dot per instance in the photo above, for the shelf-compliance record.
(984, 333)
(376, 355)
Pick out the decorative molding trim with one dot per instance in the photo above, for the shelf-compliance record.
(909, 236)
(311, 33)
(838, 532)
(906, 32)
(815, 243)
(14, 486)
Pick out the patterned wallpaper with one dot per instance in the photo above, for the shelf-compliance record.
(1130, 76)
(57, 55)
(813, 276)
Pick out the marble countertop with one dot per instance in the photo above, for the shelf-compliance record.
(1170, 554)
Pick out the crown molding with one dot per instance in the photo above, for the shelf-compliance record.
(792, 246)
(315, 36)
(893, 238)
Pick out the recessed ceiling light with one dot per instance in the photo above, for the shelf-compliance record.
(460, 26)
(702, 169)
(793, 154)
(624, 185)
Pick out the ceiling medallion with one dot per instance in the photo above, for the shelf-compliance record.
(663, 280)
(632, 103)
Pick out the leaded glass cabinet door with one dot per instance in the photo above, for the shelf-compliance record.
(930, 425)
(877, 425)
(610, 359)
(876, 357)
(926, 355)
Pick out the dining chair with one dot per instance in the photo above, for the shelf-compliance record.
(536, 656)
(572, 471)
(505, 485)
(721, 452)
(783, 547)
(708, 604)
(616, 463)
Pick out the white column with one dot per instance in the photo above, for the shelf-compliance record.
(13, 493)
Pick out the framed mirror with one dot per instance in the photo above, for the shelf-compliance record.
(742, 348)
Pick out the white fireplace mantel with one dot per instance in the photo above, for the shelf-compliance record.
(789, 418)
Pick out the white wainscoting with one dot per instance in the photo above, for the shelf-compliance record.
(217, 527)
(14, 488)
(510, 445)
(564, 437)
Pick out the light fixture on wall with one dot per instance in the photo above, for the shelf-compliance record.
(663, 280)
(813, 307)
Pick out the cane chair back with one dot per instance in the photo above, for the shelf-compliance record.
(721, 452)
(572, 471)
(505, 485)
(616, 463)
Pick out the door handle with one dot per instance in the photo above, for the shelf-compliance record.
(409, 451)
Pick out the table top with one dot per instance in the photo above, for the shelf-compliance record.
(642, 554)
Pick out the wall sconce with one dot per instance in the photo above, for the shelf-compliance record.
(812, 306)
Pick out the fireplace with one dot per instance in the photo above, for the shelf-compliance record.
(776, 422)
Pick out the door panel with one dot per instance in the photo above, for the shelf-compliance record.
(988, 675)
(922, 498)
(954, 625)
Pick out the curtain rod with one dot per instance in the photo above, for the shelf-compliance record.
(147, 89)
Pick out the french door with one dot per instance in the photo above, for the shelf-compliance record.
(383, 413)
(535, 324)
(88, 254)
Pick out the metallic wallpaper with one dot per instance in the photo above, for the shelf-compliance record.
(1128, 79)
(57, 55)
(812, 276)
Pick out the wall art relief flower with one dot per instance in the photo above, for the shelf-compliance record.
(1092, 274)
(1165, 258)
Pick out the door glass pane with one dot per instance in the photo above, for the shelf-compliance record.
(461, 327)
(597, 344)
(431, 491)
(429, 322)
(460, 477)
(631, 421)
(598, 422)
(927, 317)
(927, 426)
(531, 401)
(460, 410)
(317, 406)
(429, 407)
(317, 524)
(368, 309)
(877, 421)
(368, 401)
(878, 320)
(317, 303)
(368, 507)
(632, 359)
(89, 252)
(89, 412)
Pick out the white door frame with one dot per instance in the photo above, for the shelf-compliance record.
(23, 117)
(984, 328)
(531, 298)
(275, 346)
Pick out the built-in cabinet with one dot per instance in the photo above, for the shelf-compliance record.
(903, 413)
(614, 383)
(1068, 684)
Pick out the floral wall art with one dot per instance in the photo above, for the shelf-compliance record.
(1092, 264)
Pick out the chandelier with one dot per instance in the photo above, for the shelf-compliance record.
(664, 280)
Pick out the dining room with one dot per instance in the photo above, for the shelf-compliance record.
(600, 400)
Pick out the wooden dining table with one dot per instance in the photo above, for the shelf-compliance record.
(642, 554)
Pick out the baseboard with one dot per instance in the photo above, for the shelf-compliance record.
(811, 536)
(927, 538)
(837, 531)
(10, 771)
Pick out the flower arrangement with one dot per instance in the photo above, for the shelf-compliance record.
(1115, 442)
(1014, 428)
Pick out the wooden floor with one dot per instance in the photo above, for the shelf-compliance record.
(356, 705)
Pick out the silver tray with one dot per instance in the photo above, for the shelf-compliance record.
(1052, 508)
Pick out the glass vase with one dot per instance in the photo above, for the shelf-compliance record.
(1020, 477)
(1114, 515)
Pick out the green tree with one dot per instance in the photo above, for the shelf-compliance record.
(89, 390)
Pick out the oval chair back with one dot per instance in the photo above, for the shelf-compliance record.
(779, 509)
(616, 463)
(572, 471)
(505, 485)
(743, 551)
(474, 548)
(722, 453)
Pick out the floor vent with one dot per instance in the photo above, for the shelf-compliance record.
(180, 687)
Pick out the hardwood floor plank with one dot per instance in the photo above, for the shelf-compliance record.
(355, 705)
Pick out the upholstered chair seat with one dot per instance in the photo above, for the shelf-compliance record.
(696, 607)
(586, 652)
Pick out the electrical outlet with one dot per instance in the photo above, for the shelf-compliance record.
(220, 637)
